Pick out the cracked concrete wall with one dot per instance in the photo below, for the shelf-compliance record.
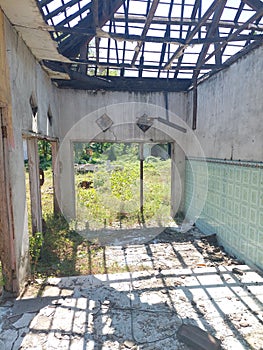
(80, 110)
(26, 78)
(230, 111)
(230, 129)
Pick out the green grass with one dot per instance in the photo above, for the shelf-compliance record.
(64, 252)
(116, 194)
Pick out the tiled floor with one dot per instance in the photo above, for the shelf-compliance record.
(141, 310)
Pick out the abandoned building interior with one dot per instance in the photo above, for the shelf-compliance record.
(184, 73)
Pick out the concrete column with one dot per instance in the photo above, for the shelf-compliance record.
(35, 193)
(55, 173)
(177, 179)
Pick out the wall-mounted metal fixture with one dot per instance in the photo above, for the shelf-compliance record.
(172, 125)
(145, 122)
(104, 122)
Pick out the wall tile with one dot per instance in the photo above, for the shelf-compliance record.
(234, 204)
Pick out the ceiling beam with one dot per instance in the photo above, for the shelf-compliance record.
(95, 15)
(57, 66)
(169, 40)
(178, 21)
(128, 84)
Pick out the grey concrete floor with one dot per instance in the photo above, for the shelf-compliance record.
(143, 309)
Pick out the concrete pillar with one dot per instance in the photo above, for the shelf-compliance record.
(177, 179)
(35, 193)
(56, 188)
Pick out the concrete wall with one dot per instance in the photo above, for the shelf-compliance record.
(230, 111)
(230, 129)
(80, 111)
(229, 126)
(26, 78)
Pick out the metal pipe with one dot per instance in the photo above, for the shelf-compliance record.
(141, 182)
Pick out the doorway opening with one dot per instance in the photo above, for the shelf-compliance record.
(39, 156)
(122, 185)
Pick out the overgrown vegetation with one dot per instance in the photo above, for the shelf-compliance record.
(112, 200)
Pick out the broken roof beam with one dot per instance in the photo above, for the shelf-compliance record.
(218, 54)
(95, 14)
(145, 30)
(211, 32)
(71, 45)
(191, 35)
(235, 34)
(254, 4)
(197, 6)
(167, 33)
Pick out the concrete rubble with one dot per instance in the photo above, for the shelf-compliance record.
(186, 280)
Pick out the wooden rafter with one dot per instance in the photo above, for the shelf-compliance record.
(100, 20)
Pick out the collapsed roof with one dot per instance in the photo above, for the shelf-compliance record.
(147, 45)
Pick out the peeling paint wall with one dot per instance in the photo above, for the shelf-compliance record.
(230, 111)
(26, 78)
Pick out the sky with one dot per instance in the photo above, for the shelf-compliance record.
(151, 50)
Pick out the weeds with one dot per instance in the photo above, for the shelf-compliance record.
(113, 199)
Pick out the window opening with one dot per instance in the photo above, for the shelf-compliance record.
(109, 190)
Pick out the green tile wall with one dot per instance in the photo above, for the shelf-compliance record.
(233, 208)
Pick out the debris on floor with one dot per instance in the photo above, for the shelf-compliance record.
(197, 338)
(178, 292)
